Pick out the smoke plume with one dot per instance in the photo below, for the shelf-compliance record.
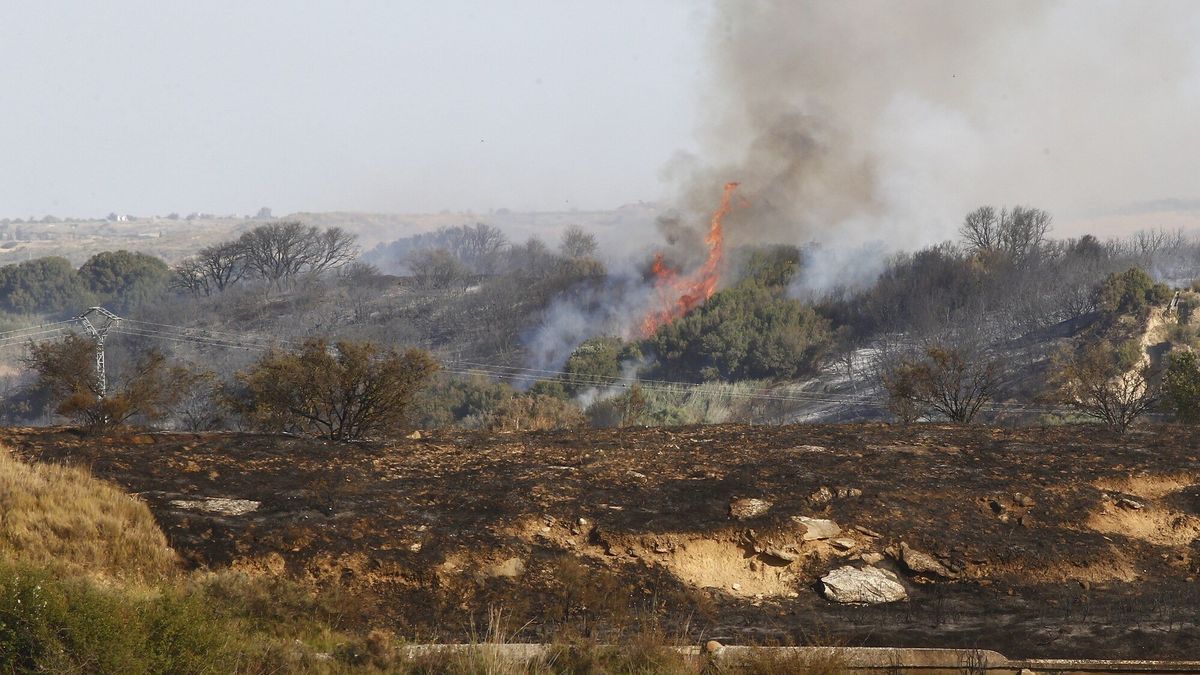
(867, 126)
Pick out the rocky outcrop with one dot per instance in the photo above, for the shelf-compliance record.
(866, 585)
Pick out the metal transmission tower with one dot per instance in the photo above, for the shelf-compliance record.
(98, 333)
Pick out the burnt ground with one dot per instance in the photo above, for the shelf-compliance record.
(593, 531)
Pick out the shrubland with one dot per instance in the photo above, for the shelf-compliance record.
(470, 299)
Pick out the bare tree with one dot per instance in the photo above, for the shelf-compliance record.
(577, 243)
(953, 381)
(279, 252)
(437, 269)
(980, 230)
(1106, 383)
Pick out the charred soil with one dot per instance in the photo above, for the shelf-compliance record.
(1035, 542)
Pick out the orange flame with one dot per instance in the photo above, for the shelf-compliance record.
(679, 295)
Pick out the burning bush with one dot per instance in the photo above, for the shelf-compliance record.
(751, 331)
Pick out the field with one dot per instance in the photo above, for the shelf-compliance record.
(1035, 542)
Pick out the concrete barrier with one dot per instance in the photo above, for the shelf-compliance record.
(856, 659)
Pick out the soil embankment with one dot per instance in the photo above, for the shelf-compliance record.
(1063, 541)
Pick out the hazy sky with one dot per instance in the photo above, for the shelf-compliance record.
(156, 106)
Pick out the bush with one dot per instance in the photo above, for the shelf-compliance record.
(342, 392)
(953, 381)
(1181, 387)
(66, 372)
(123, 279)
(450, 400)
(751, 331)
(1105, 382)
(533, 412)
(1131, 291)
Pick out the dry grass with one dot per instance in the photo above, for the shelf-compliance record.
(55, 516)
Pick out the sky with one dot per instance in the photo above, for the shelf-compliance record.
(150, 107)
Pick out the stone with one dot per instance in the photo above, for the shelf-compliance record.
(508, 569)
(781, 554)
(748, 507)
(872, 557)
(1132, 505)
(843, 544)
(817, 528)
(1023, 500)
(712, 646)
(868, 585)
(219, 505)
(847, 493)
(822, 496)
(867, 531)
(414, 436)
(918, 562)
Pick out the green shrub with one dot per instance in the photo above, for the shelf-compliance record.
(1181, 387)
(1131, 291)
(750, 331)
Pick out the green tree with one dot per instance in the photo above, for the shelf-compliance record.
(345, 391)
(1131, 291)
(1181, 387)
(42, 285)
(124, 279)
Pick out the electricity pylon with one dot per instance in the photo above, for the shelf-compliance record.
(98, 333)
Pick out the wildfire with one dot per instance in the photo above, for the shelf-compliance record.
(678, 294)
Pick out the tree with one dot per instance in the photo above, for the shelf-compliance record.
(1181, 387)
(342, 392)
(66, 371)
(1131, 291)
(125, 279)
(576, 243)
(953, 381)
(1015, 233)
(41, 285)
(437, 269)
(278, 252)
(1105, 382)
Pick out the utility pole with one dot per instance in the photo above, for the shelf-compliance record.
(98, 333)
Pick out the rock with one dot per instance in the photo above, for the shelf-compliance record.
(221, 505)
(414, 436)
(822, 496)
(843, 544)
(509, 569)
(1023, 500)
(817, 528)
(869, 532)
(872, 557)
(922, 563)
(712, 646)
(748, 507)
(1132, 505)
(869, 585)
(736, 587)
(781, 554)
(847, 493)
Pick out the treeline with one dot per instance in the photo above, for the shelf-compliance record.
(52, 285)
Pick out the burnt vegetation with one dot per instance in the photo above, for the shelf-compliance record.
(1006, 323)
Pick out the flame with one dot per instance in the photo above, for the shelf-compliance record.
(679, 295)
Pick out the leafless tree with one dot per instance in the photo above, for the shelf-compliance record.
(437, 269)
(1100, 382)
(980, 230)
(576, 243)
(953, 381)
(278, 252)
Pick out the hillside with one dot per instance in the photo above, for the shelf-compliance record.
(1036, 542)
